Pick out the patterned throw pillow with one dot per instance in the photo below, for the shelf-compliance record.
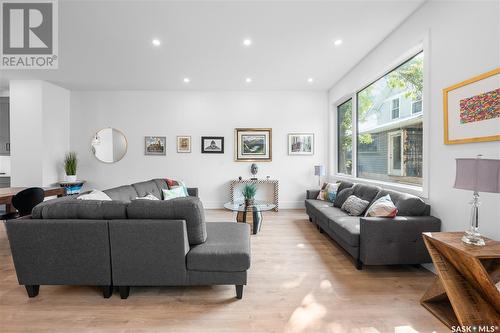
(149, 196)
(176, 192)
(382, 207)
(355, 206)
(175, 184)
(328, 192)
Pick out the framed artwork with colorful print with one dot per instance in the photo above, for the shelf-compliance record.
(472, 109)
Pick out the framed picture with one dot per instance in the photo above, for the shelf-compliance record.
(183, 144)
(300, 144)
(154, 145)
(212, 145)
(253, 144)
(472, 109)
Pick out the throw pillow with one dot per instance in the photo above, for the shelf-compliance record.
(328, 192)
(355, 206)
(342, 196)
(176, 183)
(149, 196)
(382, 207)
(95, 195)
(176, 192)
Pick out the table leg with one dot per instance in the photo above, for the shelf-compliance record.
(257, 221)
(9, 208)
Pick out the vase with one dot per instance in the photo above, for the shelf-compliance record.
(249, 202)
(71, 178)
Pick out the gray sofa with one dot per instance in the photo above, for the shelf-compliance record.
(375, 240)
(128, 242)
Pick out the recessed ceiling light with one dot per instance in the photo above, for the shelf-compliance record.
(337, 42)
(248, 80)
(310, 80)
(247, 42)
(156, 42)
(186, 80)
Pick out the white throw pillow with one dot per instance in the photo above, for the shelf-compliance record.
(176, 192)
(95, 195)
(149, 196)
(382, 207)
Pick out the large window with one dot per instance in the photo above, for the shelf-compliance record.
(344, 130)
(388, 130)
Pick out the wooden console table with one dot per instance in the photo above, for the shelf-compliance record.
(273, 182)
(464, 293)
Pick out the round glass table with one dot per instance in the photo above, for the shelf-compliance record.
(251, 214)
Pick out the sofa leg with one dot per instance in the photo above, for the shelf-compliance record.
(32, 290)
(320, 230)
(124, 292)
(310, 219)
(239, 291)
(359, 264)
(107, 291)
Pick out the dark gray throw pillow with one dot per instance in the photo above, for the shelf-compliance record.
(355, 206)
(342, 196)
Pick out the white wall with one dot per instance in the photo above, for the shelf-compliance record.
(39, 126)
(463, 42)
(141, 113)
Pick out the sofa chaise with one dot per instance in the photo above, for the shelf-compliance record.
(127, 242)
(375, 240)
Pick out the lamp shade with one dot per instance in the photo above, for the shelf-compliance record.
(319, 170)
(477, 174)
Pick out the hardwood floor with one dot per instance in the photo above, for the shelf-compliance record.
(300, 281)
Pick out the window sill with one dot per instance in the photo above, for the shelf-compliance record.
(415, 190)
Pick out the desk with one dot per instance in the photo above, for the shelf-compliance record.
(7, 193)
(464, 293)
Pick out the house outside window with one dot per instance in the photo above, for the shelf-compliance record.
(389, 127)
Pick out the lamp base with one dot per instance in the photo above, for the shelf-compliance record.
(473, 238)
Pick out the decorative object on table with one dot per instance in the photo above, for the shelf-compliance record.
(250, 214)
(268, 177)
(70, 166)
(249, 191)
(155, 145)
(109, 145)
(272, 182)
(301, 144)
(319, 170)
(72, 187)
(472, 109)
(212, 145)
(464, 292)
(254, 169)
(240, 178)
(477, 175)
(184, 144)
(253, 144)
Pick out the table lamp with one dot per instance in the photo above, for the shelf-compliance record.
(477, 175)
(319, 170)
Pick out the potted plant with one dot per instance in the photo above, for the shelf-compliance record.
(70, 165)
(248, 192)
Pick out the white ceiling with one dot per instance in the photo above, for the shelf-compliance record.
(106, 45)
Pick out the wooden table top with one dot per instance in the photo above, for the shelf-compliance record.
(454, 240)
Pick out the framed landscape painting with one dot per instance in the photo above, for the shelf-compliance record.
(184, 144)
(212, 145)
(253, 144)
(154, 145)
(300, 144)
(472, 109)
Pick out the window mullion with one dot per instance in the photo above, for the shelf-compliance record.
(354, 141)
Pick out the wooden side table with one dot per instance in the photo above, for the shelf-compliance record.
(464, 293)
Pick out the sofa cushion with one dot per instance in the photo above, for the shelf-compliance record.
(148, 187)
(81, 209)
(345, 184)
(407, 204)
(189, 209)
(227, 249)
(161, 183)
(124, 193)
(334, 212)
(347, 228)
(342, 196)
(365, 192)
(355, 206)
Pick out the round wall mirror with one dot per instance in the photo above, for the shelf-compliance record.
(109, 145)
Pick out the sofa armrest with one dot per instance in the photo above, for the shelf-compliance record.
(158, 247)
(192, 191)
(395, 240)
(312, 194)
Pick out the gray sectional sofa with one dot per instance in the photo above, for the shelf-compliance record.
(375, 240)
(128, 242)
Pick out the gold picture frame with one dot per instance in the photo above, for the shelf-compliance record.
(253, 144)
(447, 112)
